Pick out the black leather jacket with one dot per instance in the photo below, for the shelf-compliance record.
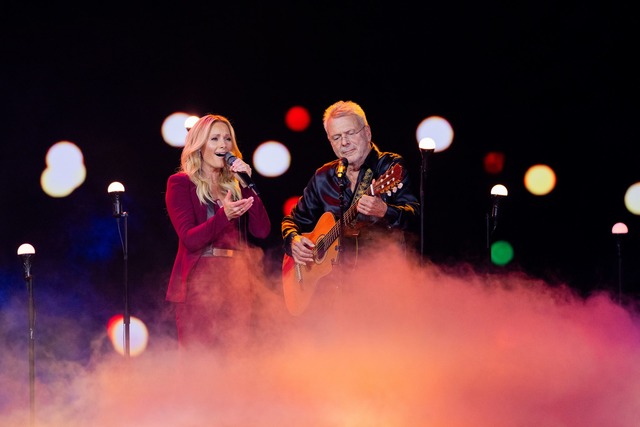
(322, 194)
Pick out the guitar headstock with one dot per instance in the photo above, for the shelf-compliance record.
(389, 181)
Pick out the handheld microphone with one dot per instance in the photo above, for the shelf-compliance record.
(230, 159)
(342, 166)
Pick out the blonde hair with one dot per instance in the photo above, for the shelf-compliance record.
(341, 109)
(191, 159)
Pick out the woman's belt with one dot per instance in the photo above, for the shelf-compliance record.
(218, 252)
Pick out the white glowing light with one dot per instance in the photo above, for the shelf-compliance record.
(115, 187)
(427, 144)
(65, 169)
(499, 190)
(173, 129)
(190, 121)
(271, 159)
(138, 335)
(26, 249)
(437, 129)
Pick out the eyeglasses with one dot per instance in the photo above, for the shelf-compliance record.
(347, 135)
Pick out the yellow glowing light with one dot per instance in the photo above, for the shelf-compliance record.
(632, 199)
(540, 180)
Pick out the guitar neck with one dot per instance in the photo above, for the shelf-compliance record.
(349, 215)
(390, 180)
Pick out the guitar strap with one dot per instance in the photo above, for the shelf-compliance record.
(362, 188)
(364, 185)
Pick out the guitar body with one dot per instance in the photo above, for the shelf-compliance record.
(299, 281)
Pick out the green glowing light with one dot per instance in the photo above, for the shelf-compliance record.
(501, 252)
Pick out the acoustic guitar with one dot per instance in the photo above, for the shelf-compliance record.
(299, 281)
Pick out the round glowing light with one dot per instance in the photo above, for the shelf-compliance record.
(115, 187)
(65, 169)
(501, 252)
(437, 129)
(64, 154)
(619, 228)
(289, 204)
(271, 158)
(499, 190)
(60, 181)
(427, 144)
(138, 335)
(190, 121)
(26, 249)
(297, 118)
(173, 129)
(540, 180)
(494, 162)
(632, 198)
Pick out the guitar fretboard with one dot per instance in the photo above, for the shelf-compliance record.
(333, 233)
(387, 182)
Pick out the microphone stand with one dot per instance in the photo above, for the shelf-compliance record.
(619, 229)
(492, 225)
(619, 253)
(341, 182)
(26, 251)
(116, 189)
(126, 316)
(497, 192)
(423, 176)
(32, 359)
(488, 227)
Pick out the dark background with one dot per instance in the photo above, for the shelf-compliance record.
(543, 83)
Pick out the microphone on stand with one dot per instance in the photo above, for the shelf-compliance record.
(230, 159)
(342, 166)
(26, 251)
(427, 147)
(497, 192)
(116, 189)
(494, 208)
(619, 230)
